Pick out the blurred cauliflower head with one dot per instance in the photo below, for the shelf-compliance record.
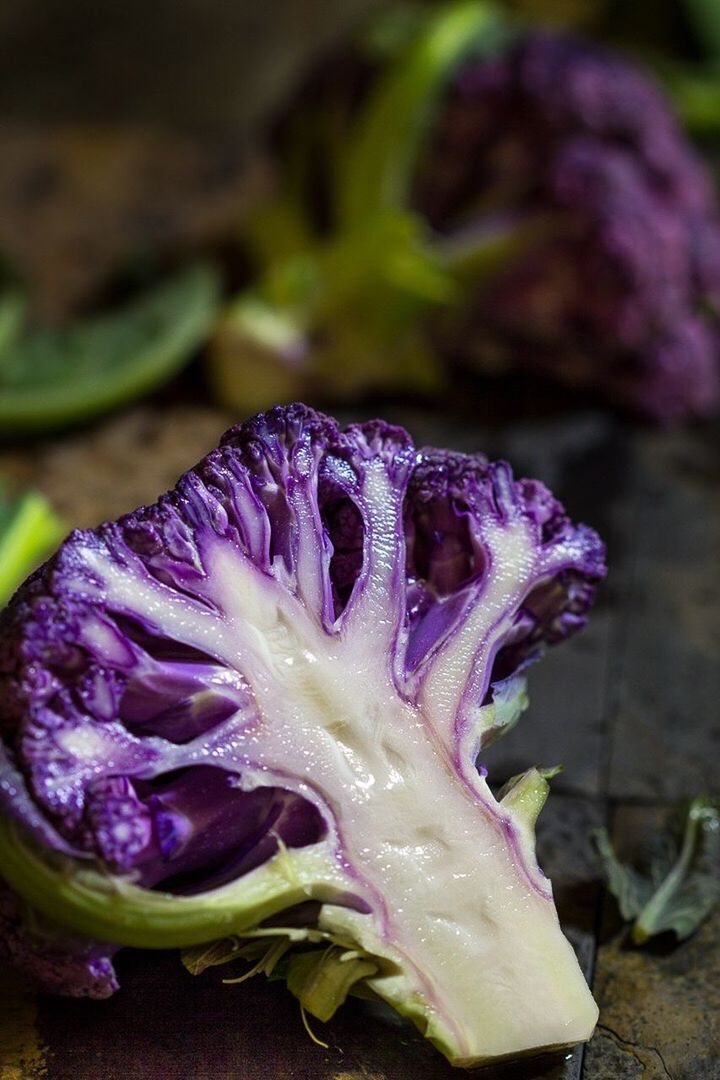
(624, 291)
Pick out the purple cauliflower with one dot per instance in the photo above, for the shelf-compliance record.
(244, 721)
(621, 292)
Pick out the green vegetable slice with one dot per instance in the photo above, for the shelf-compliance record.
(53, 377)
(29, 530)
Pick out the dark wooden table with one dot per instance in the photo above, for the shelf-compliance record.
(630, 707)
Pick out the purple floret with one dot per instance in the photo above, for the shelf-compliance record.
(126, 703)
(623, 292)
(448, 494)
(192, 826)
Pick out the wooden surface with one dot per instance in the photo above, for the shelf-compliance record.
(629, 706)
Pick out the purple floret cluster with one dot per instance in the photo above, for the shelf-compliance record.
(624, 291)
(120, 733)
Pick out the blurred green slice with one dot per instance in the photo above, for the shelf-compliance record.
(53, 377)
(29, 530)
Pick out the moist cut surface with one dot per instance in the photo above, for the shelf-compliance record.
(246, 720)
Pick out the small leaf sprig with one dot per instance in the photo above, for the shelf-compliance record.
(682, 884)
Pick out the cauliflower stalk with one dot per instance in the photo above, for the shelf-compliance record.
(247, 719)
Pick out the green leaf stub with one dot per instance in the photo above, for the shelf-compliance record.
(678, 892)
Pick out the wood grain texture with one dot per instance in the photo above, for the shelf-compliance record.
(167, 1024)
(665, 734)
(22, 1051)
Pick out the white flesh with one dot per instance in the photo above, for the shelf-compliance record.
(459, 909)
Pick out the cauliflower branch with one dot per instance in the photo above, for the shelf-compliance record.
(252, 711)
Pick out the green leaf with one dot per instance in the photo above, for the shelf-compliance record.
(387, 139)
(266, 956)
(322, 980)
(264, 947)
(630, 889)
(686, 896)
(683, 883)
(54, 377)
(29, 530)
(213, 954)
